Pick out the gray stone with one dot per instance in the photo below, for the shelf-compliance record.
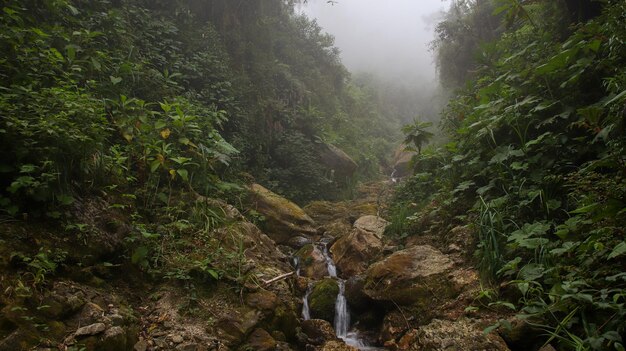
(141, 345)
(91, 329)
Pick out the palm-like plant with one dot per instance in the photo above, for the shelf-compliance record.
(416, 135)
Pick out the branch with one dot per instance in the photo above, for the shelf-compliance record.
(280, 277)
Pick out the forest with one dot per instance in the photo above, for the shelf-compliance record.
(208, 175)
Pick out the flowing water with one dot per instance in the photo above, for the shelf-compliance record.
(342, 314)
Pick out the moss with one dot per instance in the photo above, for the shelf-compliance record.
(285, 320)
(322, 299)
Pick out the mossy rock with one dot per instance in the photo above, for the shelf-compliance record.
(322, 299)
(312, 262)
(285, 321)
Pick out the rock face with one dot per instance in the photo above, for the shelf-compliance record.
(443, 335)
(312, 262)
(261, 340)
(353, 252)
(322, 299)
(402, 161)
(414, 276)
(337, 160)
(284, 219)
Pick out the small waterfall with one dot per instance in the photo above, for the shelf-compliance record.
(393, 176)
(342, 317)
(306, 312)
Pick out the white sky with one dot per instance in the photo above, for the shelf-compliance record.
(387, 37)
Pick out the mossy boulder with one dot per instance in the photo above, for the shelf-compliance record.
(414, 276)
(311, 262)
(322, 299)
(283, 218)
(318, 331)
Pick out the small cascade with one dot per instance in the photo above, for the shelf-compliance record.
(342, 314)
(306, 312)
(393, 176)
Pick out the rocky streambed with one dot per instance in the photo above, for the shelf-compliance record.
(323, 277)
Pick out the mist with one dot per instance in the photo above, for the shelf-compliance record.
(387, 38)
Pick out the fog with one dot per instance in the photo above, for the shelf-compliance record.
(389, 38)
(387, 42)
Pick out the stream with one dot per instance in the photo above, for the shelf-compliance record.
(342, 313)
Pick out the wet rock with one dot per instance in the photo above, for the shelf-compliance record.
(414, 276)
(318, 331)
(372, 224)
(299, 241)
(322, 299)
(261, 340)
(283, 218)
(91, 329)
(263, 300)
(337, 160)
(463, 334)
(312, 262)
(355, 296)
(352, 253)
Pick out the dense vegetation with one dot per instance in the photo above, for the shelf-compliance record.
(535, 160)
(145, 95)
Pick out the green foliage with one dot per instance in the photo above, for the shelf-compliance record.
(537, 159)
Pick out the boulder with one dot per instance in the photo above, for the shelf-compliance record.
(402, 162)
(337, 160)
(372, 224)
(337, 345)
(262, 300)
(283, 218)
(114, 339)
(312, 262)
(318, 331)
(352, 253)
(298, 241)
(414, 276)
(261, 340)
(462, 334)
(322, 299)
(91, 329)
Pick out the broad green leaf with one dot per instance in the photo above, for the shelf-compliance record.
(619, 250)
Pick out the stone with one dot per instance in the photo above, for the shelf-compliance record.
(114, 339)
(91, 329)
(312, 262)
(322, 299)
(190, 346)
(298, 241)
(402, 162)
(372, 224)
(462, 334)
(337, 160)
(177, 339)
(283, 218)
(352, 253)
(116, 319)
(318, 331)
(261, 340)
(141, 345)
(263, 300)
(336, 345)
(413, 276)
(90, 314)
